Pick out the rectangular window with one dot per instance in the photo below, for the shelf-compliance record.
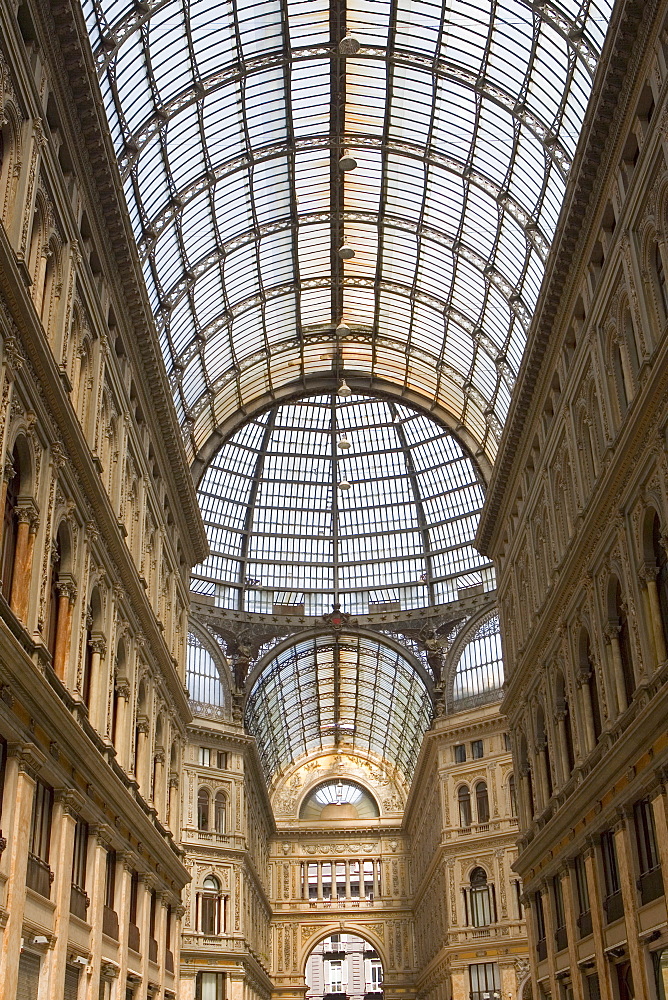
(335, 972)
(648, 857)
(541, 946)
(484, 979)
(40, 824)
(204, 757)
(460, 753)
(110, 880)
(210, 986)
(560, 936)
(222, 760)
(476, 749)
(613, 903)
(79, 854)
(507, 742)
(610, 868)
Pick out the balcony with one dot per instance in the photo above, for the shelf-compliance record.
(614, 906)
(79, 902)
(650, 885)
(110, 923)
(541, 950)
(169, 961)
(134, 939)
(39, 876)
(561, 938)
(584, 924)
(152, 950)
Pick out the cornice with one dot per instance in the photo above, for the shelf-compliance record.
(623, 51)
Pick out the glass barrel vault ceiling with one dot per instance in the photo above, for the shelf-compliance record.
(346, 693)
(284, 536)
(229, 118)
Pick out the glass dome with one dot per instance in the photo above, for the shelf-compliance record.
(287, 535)
(347, 693)
(479, 673)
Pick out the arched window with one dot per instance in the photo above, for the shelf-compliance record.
(10, 524)
(481, 909)
(203, 809)
(590, 683)
(512, 795)
(464, 799)
(211, 914)
(482, 802)
(661, 562)
(220, 809)
(625, 644)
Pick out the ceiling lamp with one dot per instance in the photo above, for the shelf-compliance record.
(344, 444)
(346, 252)
(344, 389)
(349, 46)
(344, 485)
(347, 162)
(342, 330)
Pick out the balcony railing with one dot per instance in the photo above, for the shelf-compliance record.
(169, 961)
(614, 906)
(79, 902)
(541, 950)
(39, 876)
(650, 885)
(134, 939)
(110, 923)
(561, 938)
(152, 950)
(584, 924)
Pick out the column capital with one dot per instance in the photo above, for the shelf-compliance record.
(611, 631)
(70, 801)
(98, 643)
(647, 572)
(143, 725)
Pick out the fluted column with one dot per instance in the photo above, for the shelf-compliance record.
(647, 576)
(525, 798)
(611, 633)
(542, 773)
(319, 864)
(25, 544)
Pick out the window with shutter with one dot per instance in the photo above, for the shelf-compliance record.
(28, 983)
(71, 988)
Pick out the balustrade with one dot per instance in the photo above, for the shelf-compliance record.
(350, 882)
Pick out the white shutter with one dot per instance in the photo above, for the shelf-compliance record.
(28, 977)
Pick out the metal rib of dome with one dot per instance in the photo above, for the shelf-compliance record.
(344, 693)
(283, 534)
(229, 118)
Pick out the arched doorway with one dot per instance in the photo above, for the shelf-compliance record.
(344, 967)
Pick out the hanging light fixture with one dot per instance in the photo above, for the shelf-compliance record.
(344, 444)
(347, 162)
(344, 485)
(342, 330)
(346, 252)
(344, 389)
(349, 46)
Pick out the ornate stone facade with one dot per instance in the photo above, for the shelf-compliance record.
(576, 522)
(100, 529)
